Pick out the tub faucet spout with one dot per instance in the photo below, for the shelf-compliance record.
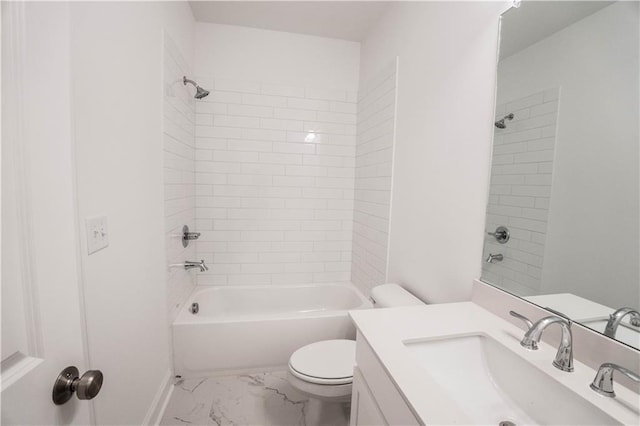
(191, 265)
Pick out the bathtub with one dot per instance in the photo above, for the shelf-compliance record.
(253, 327)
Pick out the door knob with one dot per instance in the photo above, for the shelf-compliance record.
(68, 382)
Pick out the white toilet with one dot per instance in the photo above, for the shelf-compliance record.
(324, 369)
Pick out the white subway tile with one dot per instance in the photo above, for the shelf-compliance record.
(280, 124)
(327, 94)
(264, 100)
(336, 117)
(249, 145)
(263, 169)
(210, 108)
(279, 158)
(204, 119)
(310, 104)
(250, 110)
(307, 137)
(294, 114)
(219, 132)
(236, 121)
(210, 143)
(289, 91)
(229, 85)
(346, 107)
(529, 101)
(294, 148)
(220, 98)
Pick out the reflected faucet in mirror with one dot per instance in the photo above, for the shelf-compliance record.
(616, 317)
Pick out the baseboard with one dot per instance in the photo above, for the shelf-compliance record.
(160, 401)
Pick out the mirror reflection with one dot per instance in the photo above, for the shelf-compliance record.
(563, 213)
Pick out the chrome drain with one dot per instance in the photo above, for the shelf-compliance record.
(506, 423)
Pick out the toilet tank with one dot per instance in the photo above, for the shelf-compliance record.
(392, 295)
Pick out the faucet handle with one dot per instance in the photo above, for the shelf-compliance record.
(523, 318)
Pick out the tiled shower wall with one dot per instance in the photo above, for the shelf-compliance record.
(520, 190)
(274, 183)
(179, 173)
(374, 161)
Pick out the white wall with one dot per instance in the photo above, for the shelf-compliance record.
(595, 183)
(249, 54)
(116, 53)
(275, 144)
(446, 86)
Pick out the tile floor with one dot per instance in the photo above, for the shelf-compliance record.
(264, 399)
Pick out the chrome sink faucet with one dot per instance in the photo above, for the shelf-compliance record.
(564, 356)
(616, 317)
(603, 382)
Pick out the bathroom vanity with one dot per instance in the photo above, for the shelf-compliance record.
(459, 363)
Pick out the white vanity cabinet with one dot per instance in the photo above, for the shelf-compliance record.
(375, 399)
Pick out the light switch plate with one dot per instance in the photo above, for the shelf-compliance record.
(97, 233)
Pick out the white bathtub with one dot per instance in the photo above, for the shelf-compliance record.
(251, 327)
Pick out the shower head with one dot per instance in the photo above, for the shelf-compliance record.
(200, 92)
(500, 124)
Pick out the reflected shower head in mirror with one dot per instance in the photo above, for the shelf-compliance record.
(500, 124)
(200, 92)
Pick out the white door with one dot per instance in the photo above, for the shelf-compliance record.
(42, 317)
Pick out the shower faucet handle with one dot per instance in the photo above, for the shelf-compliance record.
(188, 236)
(501, 234)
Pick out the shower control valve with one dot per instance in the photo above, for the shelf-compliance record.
(501, 234)
(188, 236)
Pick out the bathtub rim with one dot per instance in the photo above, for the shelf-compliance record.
(185, 318)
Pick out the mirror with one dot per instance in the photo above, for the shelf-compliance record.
(564, 177)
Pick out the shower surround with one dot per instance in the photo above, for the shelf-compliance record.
(275, 169)
(284, 168)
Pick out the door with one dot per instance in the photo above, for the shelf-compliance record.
(42, 318)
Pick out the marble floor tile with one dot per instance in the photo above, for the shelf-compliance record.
(264, 399)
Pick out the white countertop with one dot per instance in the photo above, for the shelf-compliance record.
(386, 329)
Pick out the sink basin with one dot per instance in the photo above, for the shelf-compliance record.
(625, 333)
(492, 384)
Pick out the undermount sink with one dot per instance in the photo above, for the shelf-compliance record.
(625, 333)
(493, 385)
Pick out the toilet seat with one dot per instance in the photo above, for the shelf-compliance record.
(328, 362)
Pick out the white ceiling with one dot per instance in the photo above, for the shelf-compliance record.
(347, 20)
(536, 20)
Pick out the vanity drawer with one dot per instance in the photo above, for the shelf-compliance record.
(394, 408)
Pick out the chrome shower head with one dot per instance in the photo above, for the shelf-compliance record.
(500, 124)
(200, 92)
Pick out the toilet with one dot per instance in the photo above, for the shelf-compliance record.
(324, 370)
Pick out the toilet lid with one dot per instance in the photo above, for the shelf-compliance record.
(325, 362)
